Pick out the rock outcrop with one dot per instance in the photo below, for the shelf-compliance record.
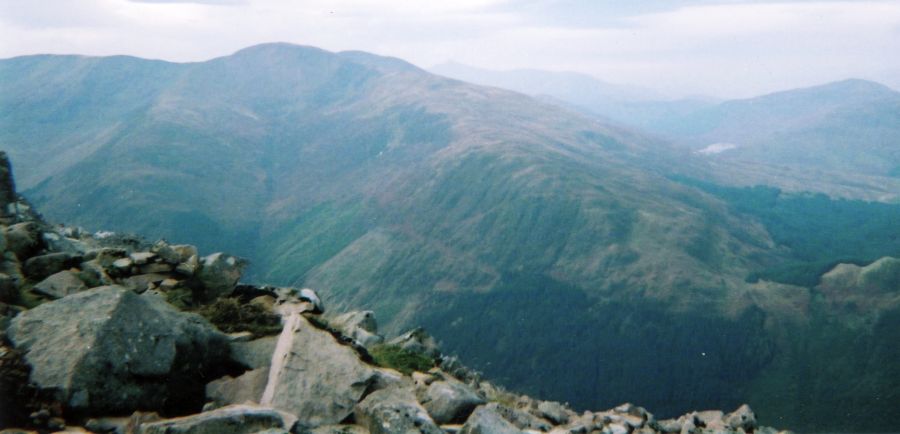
(110, 350)
(313, 376)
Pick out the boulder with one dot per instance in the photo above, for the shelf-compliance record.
(248, 387)
(156, 267)
(419, 341)
(521, 419)
(449, 401)
(314, 376)
(310, 296)
(710, 419)
(256, 353)
(486, 420)
(109, 350)
(60, 285)
(387, 378)
(39, 267)
(234, 419)
(219, 273)
(669, 425)
(105, 256)
(554, 412)
(742, 418)
(142, 282)
(141, 258)
(93, 273)
(394, 410)
(188, 267)
(359, 326)
(23, 239)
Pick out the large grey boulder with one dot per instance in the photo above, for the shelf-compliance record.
(109, 350)
(234, 419)
(60, 285)
(486, 420)
(449, 401)
(219, 273)
(394, 410)
(313, 376)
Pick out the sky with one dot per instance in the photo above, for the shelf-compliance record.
(723, 48)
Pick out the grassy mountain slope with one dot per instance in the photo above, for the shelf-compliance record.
(510, 227)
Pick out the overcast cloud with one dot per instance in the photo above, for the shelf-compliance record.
(721, 48)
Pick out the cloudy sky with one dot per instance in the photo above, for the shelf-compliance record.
(722, 48)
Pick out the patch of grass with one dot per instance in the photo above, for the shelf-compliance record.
(405, 361)
(231, 316)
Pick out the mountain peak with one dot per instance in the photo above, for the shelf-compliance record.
(856, 87)
(279, 47)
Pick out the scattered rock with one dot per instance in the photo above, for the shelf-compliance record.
(23, 239)
(141, 258)
(417, 340)
(115, 425)
(554, 412)
(486, 420)
(394, 410)
(156, 267)
(219, 273)
(109, 350)
(60, 285)
(359, 326)
(256, 353)
(310, 296)
(39, 267)
(248, 387)
(188, 267)
(742, 418)
(142, 282)
(521, 419)
(449, 401)
(313, 376)
(234, 419)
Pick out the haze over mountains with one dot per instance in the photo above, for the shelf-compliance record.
(601, 254)
(849, 129)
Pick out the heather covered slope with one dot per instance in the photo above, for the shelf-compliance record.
(498, 221)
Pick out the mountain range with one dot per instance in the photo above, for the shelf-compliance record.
(838, 138)
(606, 259)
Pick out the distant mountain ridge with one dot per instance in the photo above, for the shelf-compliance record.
(565, 241)
(849, 129)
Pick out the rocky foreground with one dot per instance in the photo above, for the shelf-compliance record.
(108, 333)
